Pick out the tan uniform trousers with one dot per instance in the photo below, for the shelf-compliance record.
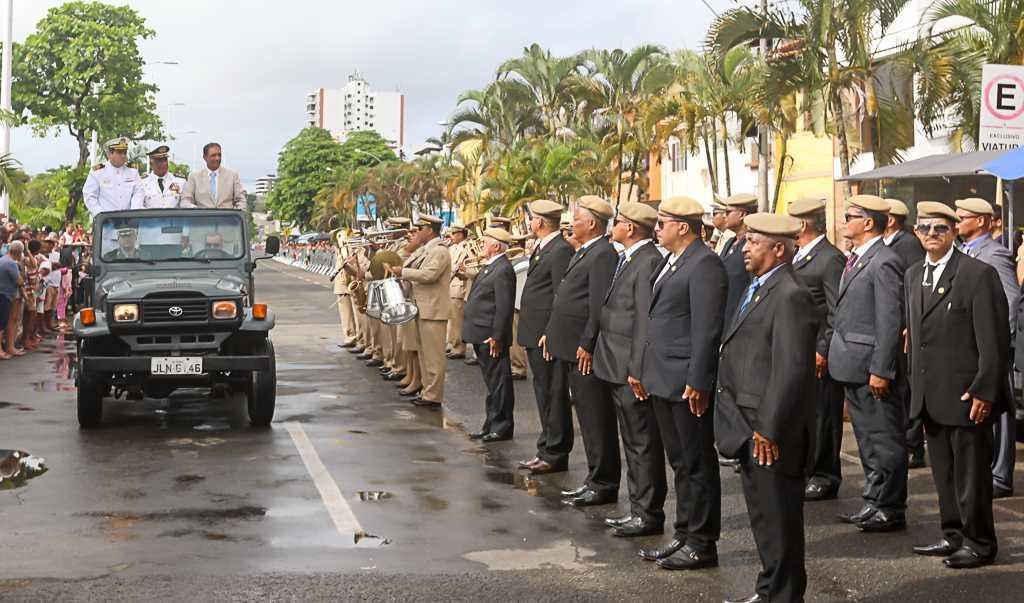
(517, 352)
(409, 342)
(455, 318)
(364, 329)
(432, 359)
(397, 359)
(349, 328)
(379, 333)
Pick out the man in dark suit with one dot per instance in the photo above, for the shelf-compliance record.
(818, 265)
(863, 356)
(548, 261)
(570, 338)
(737, 207)
(765, 402)
(488, 326)
(956, 303)
(680, 359)
(904, 242)
(617, 356)
(975, 229)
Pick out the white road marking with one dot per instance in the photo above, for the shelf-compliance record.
(337, 507)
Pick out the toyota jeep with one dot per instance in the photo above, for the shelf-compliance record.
(171, 307)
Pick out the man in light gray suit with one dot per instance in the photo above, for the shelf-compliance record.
(214, 186)
(866, 339)
(975, 229)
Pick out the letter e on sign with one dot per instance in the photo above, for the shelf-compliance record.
(1002, 107)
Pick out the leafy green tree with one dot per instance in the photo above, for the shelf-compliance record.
(45, 198)
(81, 72)
(179, 169)
(307, 164)
(364, 149)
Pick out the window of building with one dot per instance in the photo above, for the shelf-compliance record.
(677, 155)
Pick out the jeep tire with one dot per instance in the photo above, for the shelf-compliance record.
(90, 400)
(261, 388)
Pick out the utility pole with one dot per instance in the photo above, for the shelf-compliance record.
(5, 90)
(763, 137)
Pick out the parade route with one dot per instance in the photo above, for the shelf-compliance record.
(355, 493)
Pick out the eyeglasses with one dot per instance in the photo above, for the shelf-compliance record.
(663, 221)
(926, 229)
(852, 217)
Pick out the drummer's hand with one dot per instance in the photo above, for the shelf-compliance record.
(396, 270)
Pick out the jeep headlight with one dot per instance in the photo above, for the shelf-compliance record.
(224, 309)
(126, 312)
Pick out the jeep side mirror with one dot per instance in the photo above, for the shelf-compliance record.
(273, 245)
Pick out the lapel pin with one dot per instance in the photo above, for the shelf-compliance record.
(859, 265)
(942, 290)
(673, 268)
(757, 298)
(808, 258)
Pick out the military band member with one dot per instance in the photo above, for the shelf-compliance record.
(863, 356)
(113, 186)
(722, 234)
(569, 338)
(469, 274)
(737, 207)
(457, 291)
(488, 327)
(342, 280)
(398, 243)
(764, 412)
(501, 222)
(957, 303)
(548, 262)
(677, 374)
(975, 229)
(818, 265)
(160, 188)
(618, 354)
(409, 333)
(430, 277)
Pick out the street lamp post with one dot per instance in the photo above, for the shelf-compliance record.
(5, 89)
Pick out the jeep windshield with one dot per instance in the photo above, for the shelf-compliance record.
(172, 238)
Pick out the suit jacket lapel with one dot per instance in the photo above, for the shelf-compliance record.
(537, 256)
(579, 255)
(944, 286)
(671, 272)
(752, 307)
(858, 267)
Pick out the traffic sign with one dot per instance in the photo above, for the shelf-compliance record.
(1002, 107)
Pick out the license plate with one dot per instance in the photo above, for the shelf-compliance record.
(176, 365)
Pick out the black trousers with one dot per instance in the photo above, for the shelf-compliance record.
(596, 413)
(915, 428)
(829, 433)
(501, 399)
(542, 371)
(645, 456)
(775, 503)
(556, 415)
(690, 446)
(880, 428)
(961, 460)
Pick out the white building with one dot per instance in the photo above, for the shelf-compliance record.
(356, 107)
(265, 184)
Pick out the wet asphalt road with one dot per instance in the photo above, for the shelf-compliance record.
(355, 494)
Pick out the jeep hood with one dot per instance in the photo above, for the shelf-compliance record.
(136, 285)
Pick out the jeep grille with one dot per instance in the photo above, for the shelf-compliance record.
(175, 310)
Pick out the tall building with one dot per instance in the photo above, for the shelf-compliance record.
(265, 184)
(356, 107)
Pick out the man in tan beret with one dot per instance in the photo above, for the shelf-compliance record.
(818, 265)
(738, 207)
(430, 274)
(764, 413)
(955, 302)
(548, 262)
(488, 327)
(501, 222)
(863, 356)
(899, 237)
(677, 374)
(457, 291)
(975, 230)
(618, 353)
(722, 234)
(398, 242)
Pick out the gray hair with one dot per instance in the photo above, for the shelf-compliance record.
(17, 247)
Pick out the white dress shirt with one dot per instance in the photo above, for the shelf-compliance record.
(939, 267)
(806, 249)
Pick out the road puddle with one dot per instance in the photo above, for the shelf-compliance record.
(373, 495)
(519, 480)
(17, 467)
(562, 554)
(52, 386)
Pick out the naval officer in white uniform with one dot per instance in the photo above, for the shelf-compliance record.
(160, 189)
(113, 186)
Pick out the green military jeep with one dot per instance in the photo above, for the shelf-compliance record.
(171, 306)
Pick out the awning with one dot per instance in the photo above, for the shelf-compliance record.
(1010, 166)
(933, 166)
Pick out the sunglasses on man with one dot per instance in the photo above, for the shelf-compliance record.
(926, 229)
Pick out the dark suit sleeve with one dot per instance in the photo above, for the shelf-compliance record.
(599, 281)
(786, 395)
(504, 299)
(1007, 270)
(830, 283)
(989, 316)
(707, 312)
(642, 294)
(888, 288)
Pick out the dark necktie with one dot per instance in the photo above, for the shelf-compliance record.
(160, 183)
(850, 263)
(929, 276)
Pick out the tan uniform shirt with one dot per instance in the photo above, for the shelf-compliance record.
(429, 270)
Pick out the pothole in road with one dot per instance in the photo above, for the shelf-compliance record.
(17, 467)
(373, 495)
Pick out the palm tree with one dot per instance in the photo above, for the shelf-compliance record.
(546, 79)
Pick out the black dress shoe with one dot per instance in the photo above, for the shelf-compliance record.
(394, 376)
(424, 403)
(966, 558)
(455, 356)
(942, 548)
(372, 362)
(816, 491)
(384, 369)
(357, 349)
(865, 512)
(347, 345)
(544, 468)
(518, 377)
(639, 527)
(998, 492)
(614, 522)
(528, 464)
(689, 558)
(574, 492)
(364, 356)
(471, 361)
(493, 437)
(665, 551)
(592, 499)
(478, 435)
(754, 598)
(916, 459)
(883, 522)
(410, 393)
